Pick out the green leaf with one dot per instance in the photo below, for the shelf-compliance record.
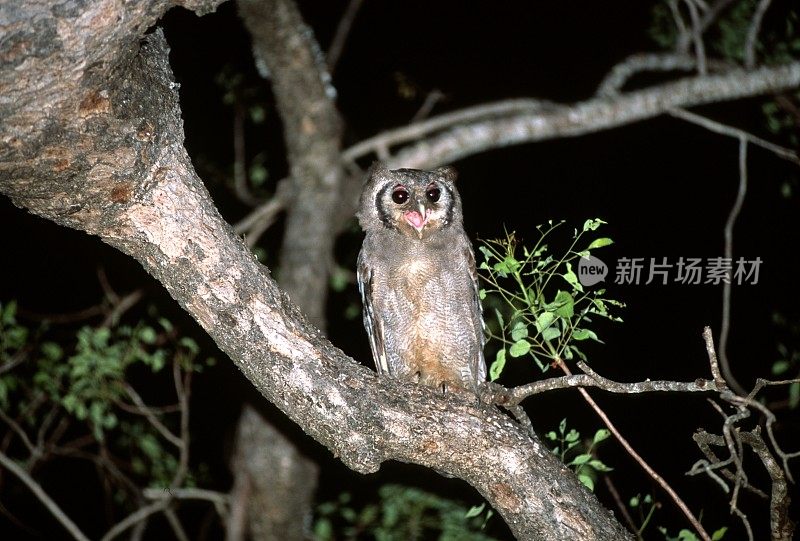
(564, 305)
(779, 367)
(147, 335)
(544, 320)
(562, 426)
(475, 510)
(599, 466)
(482, 294)
(519, 331)
(634, 502)
(551, 436)
(587, 481)
(580, 459)
(584, 334)
(719, 534)
(572, 435)
(499, 318)
(599, 243)
(487, 254)
(794, 395)
(519, 348)
(571, 278)
(601, 435)
(591, 225)
(497, 366)
(551, 333)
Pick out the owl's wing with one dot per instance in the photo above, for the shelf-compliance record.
(477, 311)
(372, 324)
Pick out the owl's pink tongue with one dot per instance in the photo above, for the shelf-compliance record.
(415, 219)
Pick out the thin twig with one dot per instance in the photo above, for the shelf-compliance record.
(592, 379)
(134, 518)
(623, 509)
(145, 410)
(48, 502)
(342, 31)
(19, 432)
(752, 34)
(697, 38)
(433, 97)
(726, 286)
(723, 129)
(240, 186)
(639, 460)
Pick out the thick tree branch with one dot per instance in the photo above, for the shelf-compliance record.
(595, 114)
(312, 129)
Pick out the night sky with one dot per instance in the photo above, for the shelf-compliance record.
(664, 186)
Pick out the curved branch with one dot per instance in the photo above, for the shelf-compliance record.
(593, 115)
(48, 502)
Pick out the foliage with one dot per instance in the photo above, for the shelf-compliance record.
(578, 455)
(541, 309)
(788, 364)
(778, 42)
(402, 513)
(82, 378)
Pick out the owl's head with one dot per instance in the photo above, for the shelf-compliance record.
(413, 202)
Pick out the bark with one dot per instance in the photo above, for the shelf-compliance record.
(92, 139)
(285, 46)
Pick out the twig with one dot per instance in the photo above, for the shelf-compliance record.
(639, 460)
(121, 306)
(145, 410)
(592, 379)
(697, 38)
(723, 129)
(726, 286)
(752, 34)
(19, 432)
(342, 31)
(134, 518)
(48, 502)
(433, 97)
(240, 187)
(417, 130)
(175, 524)
(623, 509)
(255, 223)
(220, 500)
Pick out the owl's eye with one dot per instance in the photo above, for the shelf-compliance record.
(400, 195)
(433, 194)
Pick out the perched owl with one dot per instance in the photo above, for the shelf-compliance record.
(416, 274)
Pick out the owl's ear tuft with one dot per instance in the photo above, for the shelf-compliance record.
(378, 168)
(448, 172)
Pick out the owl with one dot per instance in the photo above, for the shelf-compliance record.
(416, 274)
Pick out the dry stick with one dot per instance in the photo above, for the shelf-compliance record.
(726, 286)
(37, 490)
(723, 129)
(752, 34)
(240, 187)
(342, 31)
(697, 38)
(182, 389)
(642, 463)
(615, 495)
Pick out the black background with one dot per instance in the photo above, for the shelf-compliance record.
(664, 186)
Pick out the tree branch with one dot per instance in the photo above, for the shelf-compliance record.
(594, 114)
(48, 502)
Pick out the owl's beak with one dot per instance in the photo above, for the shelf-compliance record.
(418, 219)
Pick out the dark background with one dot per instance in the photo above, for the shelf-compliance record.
(664, 186)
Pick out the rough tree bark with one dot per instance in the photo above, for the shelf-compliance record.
(312, 127)
(92, 139)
